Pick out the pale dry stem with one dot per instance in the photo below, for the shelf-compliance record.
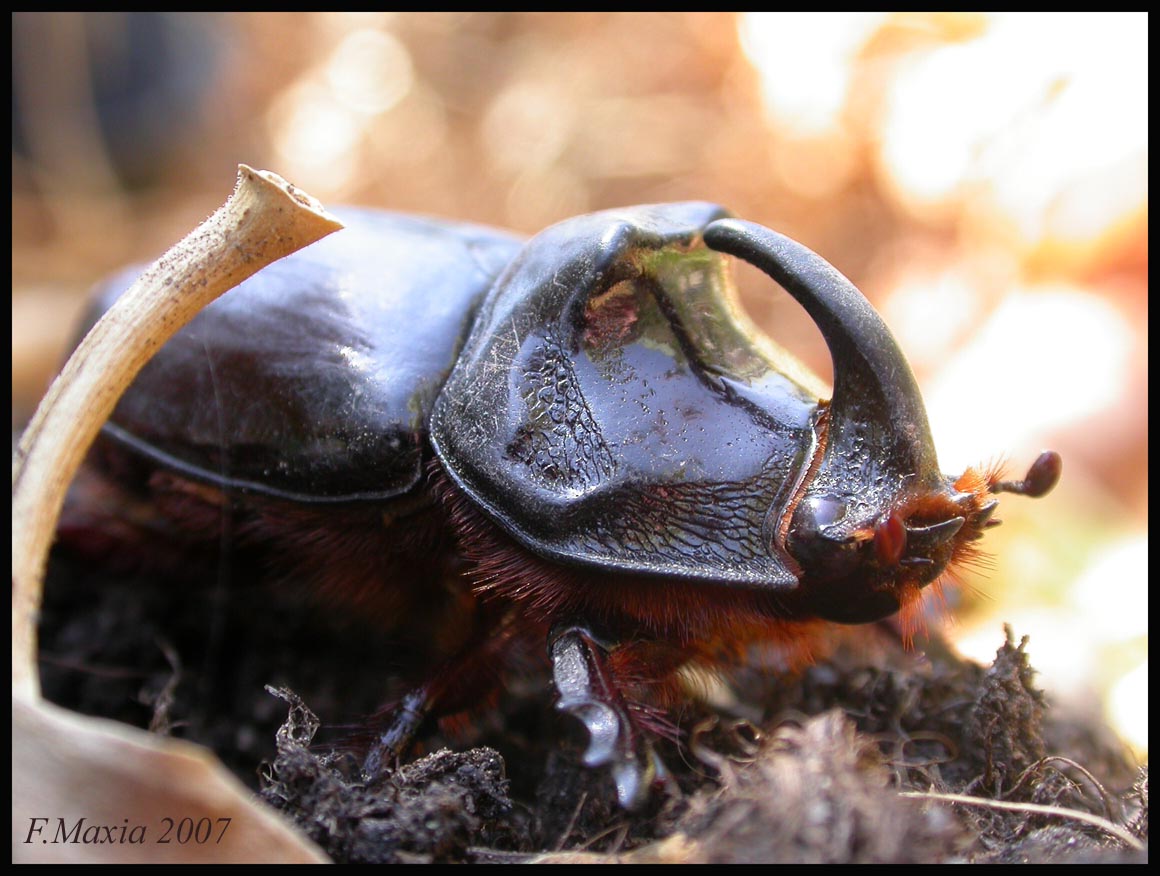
(264, 219)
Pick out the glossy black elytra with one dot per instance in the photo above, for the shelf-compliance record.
(578, 439)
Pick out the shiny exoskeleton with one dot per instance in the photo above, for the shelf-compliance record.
(582, 433)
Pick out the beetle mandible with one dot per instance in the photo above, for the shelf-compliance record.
(577, 440)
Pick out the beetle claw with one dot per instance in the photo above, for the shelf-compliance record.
(983, 517)
(916, 561)
(922, 540)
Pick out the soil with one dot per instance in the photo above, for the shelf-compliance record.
(821, 766)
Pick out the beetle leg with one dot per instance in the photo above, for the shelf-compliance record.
(408, 716)
(456, 684)
(588, 691)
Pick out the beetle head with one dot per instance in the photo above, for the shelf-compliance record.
(872, 520)
(861, 563)
(861, 560)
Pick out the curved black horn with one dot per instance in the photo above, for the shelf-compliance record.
(876, 397)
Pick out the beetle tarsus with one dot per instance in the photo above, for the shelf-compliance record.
(587, 691)
(405, 723)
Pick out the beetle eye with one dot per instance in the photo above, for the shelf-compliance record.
(890, 540)
(824, 556)
(826, 511)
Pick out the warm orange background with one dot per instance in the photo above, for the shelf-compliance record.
(983, 178)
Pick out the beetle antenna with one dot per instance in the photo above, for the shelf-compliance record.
(1040, 479)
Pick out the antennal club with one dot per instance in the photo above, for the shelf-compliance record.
(1041, 478)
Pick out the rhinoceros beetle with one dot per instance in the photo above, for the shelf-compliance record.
(576, 440)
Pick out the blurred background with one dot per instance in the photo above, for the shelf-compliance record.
(981, 177)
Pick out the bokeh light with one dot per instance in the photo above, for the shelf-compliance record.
(982, 177)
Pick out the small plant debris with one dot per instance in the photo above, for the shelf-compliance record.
(874, 754)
